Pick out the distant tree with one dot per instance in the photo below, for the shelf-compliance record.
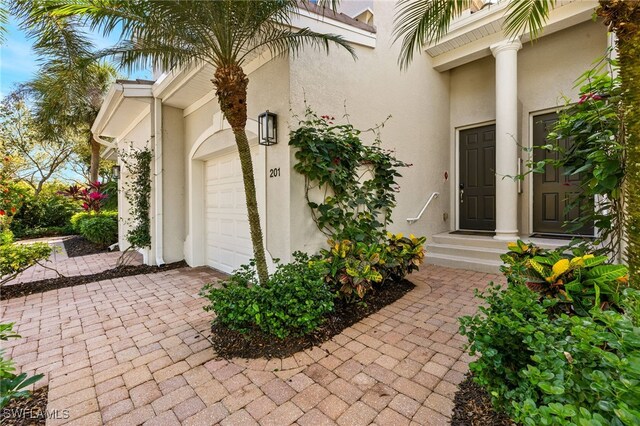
(71, 83)
(37, 156)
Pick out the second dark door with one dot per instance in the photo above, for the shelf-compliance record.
(477, 185)
(553, 190)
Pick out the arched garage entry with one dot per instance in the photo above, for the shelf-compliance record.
(218, 229)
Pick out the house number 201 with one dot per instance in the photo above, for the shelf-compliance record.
(274, 172)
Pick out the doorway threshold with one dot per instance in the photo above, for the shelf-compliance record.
(561, 236)
(476, 233)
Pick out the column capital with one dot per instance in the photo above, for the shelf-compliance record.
(504, 45)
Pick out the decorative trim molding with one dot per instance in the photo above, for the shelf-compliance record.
(505, 45)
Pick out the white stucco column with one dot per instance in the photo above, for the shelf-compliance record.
(506, 54)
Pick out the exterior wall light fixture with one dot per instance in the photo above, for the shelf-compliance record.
(267, 128)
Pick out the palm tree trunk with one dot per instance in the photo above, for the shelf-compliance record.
(95, 159)
(623, 17)
(231, 90)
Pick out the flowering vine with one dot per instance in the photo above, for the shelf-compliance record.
(137, 190)
(358, 181)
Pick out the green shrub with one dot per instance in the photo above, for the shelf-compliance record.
(49, 210)
(404, 255)
(15, 258)
(110, 188)
(294, 301)
(6, 237)
(101, 229)
(354, 268)
(77, 218)
(12, 385)
(578, 282)
(565, 370)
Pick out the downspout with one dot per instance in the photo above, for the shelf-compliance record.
(157, 149)
(104, 142)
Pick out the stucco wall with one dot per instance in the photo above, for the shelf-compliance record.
(173, 184)
(374, 87)
(197, 122)
(269, 89)
(547, 70)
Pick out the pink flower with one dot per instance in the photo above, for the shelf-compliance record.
(97, 196)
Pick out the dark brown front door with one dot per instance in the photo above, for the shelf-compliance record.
(553, 190)
(477, 187)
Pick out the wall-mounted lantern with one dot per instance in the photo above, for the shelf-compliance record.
(267, 128)
(115, 171)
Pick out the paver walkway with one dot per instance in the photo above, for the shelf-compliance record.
(70, 266)
(134, 351)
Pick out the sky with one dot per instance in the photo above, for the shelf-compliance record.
(19, 64)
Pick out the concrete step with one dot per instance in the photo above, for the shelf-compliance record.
(473, 252)
(462, 262)
(490, 242)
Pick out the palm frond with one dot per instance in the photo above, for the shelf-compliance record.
(4, 21)
(523, 15)
(174, 33)
(282, 41)
(54, 37)
(421, 22)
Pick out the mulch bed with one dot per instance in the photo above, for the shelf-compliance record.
(255, 344)
(472, 407)
(27, 411)
(24, 289)
(78, 246)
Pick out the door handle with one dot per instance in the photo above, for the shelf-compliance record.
(461, 193)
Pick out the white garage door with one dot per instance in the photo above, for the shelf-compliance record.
(228, 242)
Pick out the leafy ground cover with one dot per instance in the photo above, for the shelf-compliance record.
(559, 345)
(256, 344)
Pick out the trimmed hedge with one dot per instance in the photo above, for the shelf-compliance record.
(294, 301)
(101, 229)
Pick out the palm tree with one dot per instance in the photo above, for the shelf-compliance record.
(421, 22)
(71, 98)
(71, 83)
(623, 18)
(223, 33)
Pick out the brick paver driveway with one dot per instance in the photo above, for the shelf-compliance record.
(134, 351)
(70, 266)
